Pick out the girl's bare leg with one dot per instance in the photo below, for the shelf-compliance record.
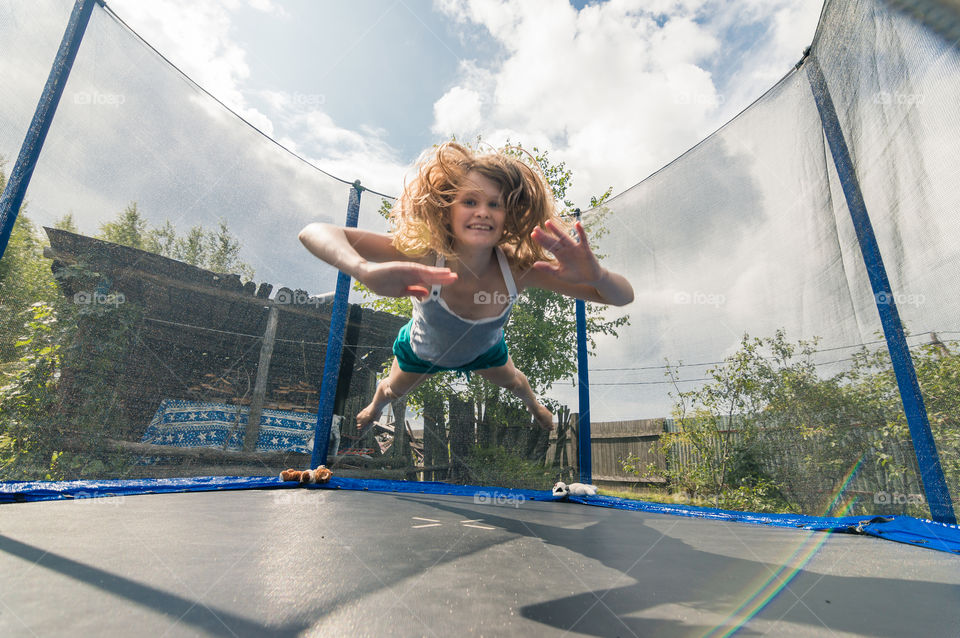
(507, 376)
(397, 384)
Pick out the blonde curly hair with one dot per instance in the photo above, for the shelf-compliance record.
(421, 216)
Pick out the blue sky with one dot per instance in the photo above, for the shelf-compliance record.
(377, 65)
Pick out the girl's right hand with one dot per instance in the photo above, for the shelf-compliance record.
(404, 279)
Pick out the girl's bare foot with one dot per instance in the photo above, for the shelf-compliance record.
(542, 416)
(368, 415)
(381, 399)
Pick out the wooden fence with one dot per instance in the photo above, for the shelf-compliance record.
(817, 470)
(613, 441)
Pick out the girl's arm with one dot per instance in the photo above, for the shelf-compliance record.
(611, 288)
(349, 249)
(371, 259)
(577, 272)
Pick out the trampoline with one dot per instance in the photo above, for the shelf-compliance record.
(826, 211)
(350, 562)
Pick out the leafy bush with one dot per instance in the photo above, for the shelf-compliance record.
(758, 495)
(769, 434)
(938, 371)
(56, 403)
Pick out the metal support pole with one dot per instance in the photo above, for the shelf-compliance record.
(16, 188)
(931, 473)
(583, 448)
(583, 420)
(331, 364)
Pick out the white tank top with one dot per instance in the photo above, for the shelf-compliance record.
(444, 338)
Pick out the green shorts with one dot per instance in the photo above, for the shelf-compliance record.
(409, 362)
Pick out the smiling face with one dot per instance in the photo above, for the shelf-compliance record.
(477, 215)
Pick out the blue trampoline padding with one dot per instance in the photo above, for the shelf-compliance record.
(904, 529)
(21, 492)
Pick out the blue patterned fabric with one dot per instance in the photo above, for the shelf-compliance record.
(196, 424)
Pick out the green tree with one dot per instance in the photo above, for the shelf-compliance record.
(57, 403)
(192, 248)
(217, 250)
(163, 240)
(225, 249)
(715, 425)
(60, 360)
(67, 223)
(767, 422)
(38, 342)
(25, 278)
(128, 229)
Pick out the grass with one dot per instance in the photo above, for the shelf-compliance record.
(654, 495)
(743, 499)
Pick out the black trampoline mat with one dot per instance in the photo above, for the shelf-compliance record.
(340, 563)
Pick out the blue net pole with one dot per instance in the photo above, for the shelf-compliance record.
(584, 454)
(931, 473)
(331, 364)
(16, 187)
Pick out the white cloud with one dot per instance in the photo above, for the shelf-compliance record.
(616, 89)
(459, 109)
(194, 36)
(197, 36)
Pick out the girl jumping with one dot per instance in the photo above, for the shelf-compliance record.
(471, 232)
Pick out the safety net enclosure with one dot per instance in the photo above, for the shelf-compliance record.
(792, 351)
(790, 362)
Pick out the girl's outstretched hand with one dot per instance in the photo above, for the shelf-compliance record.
(404, 279)
(575, 263)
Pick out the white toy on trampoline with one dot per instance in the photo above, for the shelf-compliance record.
(577, 489)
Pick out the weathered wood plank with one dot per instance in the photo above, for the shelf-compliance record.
(260, 387)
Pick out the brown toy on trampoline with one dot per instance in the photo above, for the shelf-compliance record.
(304, 477)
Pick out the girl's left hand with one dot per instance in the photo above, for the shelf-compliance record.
(575, 261)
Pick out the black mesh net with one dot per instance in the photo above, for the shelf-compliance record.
(161, 318)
